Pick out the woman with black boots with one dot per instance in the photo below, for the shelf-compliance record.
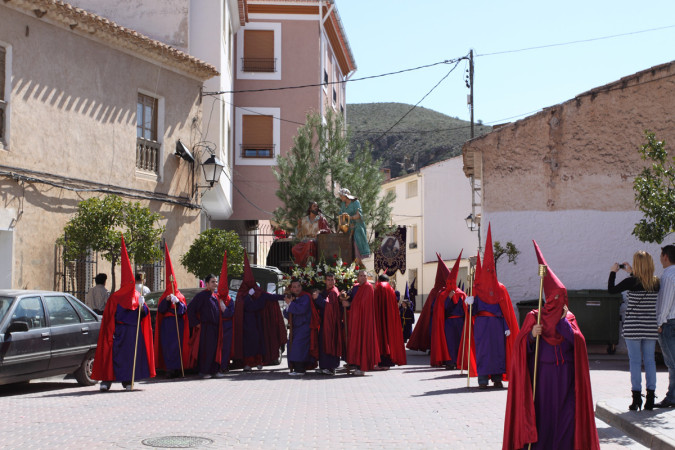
(639, 323)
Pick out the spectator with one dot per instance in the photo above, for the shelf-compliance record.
(98, 295)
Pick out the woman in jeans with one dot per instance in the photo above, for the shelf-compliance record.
(639, 324)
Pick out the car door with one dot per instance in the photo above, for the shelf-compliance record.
(25, 352)
(69, 334)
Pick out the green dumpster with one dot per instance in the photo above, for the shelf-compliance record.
(597, 313)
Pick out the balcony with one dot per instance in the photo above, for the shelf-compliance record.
(147, 155)
(259, 64)
(257, 151)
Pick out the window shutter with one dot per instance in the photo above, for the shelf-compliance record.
(258, 44)
(257, 131)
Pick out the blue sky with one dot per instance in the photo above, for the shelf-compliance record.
(390, 35)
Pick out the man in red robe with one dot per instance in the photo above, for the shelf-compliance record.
(331, 331)
(388, 320)
(114, 359)
(309, 227)
(494, 325)
(420, 339)
(171, 336)
(560, 412)
(362, 348)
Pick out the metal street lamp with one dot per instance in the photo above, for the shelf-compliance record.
(212, 169)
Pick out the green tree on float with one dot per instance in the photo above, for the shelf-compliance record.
(99, 223)
(655, 192)
(318, 164)
(205, 255)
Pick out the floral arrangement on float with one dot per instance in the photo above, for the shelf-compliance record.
(313, 275)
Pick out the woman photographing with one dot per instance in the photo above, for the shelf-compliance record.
(639, 323)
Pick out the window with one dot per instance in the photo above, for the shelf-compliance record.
(147, 147)
(30, 310)
(258, 136)
(84, 312)
(411, 189)
(3, 100)
(61, 311)
(325, 77)
(413, 237)
(259, 51)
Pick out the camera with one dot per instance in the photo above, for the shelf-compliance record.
(622, 266)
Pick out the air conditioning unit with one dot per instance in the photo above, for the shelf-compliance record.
(412, 245)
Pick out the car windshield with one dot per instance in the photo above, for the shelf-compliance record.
(5, 302)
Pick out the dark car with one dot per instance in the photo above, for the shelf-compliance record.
(45, 333)
(267, 277)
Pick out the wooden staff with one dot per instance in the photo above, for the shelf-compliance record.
(138, 326)
(344, 311)
(542, 274)
(468, 337)
(175, 314)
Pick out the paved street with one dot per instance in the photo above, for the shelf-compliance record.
(407, 407)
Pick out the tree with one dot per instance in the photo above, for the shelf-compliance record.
(655, 192)
(318, 164)
(510, 251)
(99, 223)
(205, 255)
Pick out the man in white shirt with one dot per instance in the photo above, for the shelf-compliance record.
(140, 287)
(665, 319)
(98, 295)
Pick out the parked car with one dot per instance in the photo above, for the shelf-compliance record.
(45, 333)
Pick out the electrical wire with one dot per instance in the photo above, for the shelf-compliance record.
(370, 77)
(580, 41)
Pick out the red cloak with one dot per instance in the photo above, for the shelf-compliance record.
(127, 297)
(171, 288)
(333, 329)
(247, 283)
(520, 425)
(362, 346)
(389, 331)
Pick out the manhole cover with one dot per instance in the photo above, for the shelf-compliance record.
(177, 441)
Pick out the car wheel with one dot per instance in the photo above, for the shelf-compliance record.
(83, 373)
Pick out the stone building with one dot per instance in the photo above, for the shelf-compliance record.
(564, 177)
(89, 108)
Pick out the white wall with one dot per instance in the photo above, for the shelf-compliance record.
(447, 202)
(580, 246)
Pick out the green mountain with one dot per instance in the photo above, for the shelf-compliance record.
(423, 137)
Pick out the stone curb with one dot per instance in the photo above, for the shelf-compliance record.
(645, 435)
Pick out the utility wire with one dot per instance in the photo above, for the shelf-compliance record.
(580, 41)
(421, 100)
(283, 88)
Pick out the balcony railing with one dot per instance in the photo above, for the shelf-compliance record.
(257, 151)
(259, 64)
(147, 155)
(3, 107)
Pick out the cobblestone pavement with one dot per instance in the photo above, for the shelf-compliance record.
(412, 406)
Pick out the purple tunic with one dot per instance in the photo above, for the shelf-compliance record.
(204, 310)
(554, 398)
(227, 336)
(167, 333)
(298, 345)
(326, 361)
(254, 331)
(123, 345)
(453, 326)
(490, 339)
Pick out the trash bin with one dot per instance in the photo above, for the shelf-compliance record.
(597, 313)
(524, 307)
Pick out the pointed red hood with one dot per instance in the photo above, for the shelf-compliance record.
(223, 292)
(442, 273)
(248, 281)
(126, 295)
(451, 282)
(477, 272)
(486, 287)
(556, 297)
(171, 284)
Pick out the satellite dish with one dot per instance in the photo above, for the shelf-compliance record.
(183, 152)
